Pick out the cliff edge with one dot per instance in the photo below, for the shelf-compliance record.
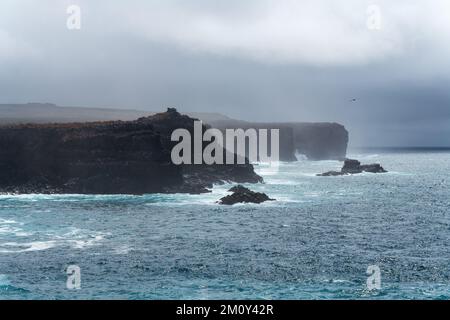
(113, 157)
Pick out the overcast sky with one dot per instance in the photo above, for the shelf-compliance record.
(265, 60)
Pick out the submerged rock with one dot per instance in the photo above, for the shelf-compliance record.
(244, 195)
(352, 166)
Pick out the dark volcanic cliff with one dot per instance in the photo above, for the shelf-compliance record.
(126, 157)
(317, 141)
(320, 141)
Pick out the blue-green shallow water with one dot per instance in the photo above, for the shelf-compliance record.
(315, 242)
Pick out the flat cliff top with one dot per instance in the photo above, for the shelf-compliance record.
(44, 113)
(171, 118)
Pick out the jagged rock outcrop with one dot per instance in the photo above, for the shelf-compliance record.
(354, 167)
(115, 157)
(242, 194)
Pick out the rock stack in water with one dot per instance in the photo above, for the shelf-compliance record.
(242, 194)
(354, 167)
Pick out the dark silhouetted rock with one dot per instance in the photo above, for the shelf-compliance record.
(331, 174)
(244, 195)
(113, 157)
(317, 141)
(354, 167)
(373, 168)
(351, 166)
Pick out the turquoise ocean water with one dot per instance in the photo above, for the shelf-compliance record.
(315, 242)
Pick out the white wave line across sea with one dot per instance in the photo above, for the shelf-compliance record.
(46, 239)
(19, 247)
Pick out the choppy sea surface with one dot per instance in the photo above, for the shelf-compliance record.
(315, 242)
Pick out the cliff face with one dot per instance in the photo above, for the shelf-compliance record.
(320, 141)
(317, 141)
(286, 142)
(126, 157)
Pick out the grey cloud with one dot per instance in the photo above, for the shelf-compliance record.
(263, 60)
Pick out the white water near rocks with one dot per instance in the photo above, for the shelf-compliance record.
(315, 241)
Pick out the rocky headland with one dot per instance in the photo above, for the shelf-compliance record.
(112, 157)
(316, 141)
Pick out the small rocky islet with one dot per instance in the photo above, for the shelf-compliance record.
(352, 166)
(242, 194)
